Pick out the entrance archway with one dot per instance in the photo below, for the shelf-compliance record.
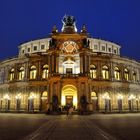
(69, 96)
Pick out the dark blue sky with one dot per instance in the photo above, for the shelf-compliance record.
(113, 20)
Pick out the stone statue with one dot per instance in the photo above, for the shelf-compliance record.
(69, 24)
(68, 20)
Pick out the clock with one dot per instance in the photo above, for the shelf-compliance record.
(69, 47)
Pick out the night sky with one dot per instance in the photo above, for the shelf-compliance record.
(113, 20)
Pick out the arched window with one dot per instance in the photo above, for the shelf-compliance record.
(44, 95)
(33, 72)
(45, 72)
(134, 76)
(7, 99)
(18, 101)
(12, 75)
(107, 102)
(126, 74)
(93, 96)
(31, 100)
(105, 72)
(94, 101)
(21, 73)
(120, 105)
(44, 99)
(116, 73)
(93, 71)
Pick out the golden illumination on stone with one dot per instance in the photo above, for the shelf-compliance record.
(33, 72)
(105, 72)
(18, 96)
(131, 97)
(106, 96)
(21, 73)
(69, 90)
(120, 96)
(6, 96)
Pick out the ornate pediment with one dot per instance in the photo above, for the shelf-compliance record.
(69, 47)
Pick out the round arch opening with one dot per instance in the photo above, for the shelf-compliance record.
(69, 96)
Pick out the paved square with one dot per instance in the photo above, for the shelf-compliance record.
(73, 127)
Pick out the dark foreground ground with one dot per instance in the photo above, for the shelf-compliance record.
(73, 127)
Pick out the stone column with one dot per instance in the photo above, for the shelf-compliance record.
(111, 71)
(52, 62)
(27, 71)
(39, 71)
(85, 64)
(16, 72)
(99, 72)
(49, 63)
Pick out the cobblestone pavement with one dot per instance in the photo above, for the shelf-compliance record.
(69, 128)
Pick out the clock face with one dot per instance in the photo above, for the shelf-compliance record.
(69, 47)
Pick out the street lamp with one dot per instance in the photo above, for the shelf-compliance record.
(106, 96)
(18, 96)
(131, 97)
(120, 97)
(32, 96)
(6, 96)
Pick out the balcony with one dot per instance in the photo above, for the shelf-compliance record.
(69, 75)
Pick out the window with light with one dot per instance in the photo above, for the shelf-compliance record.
(93, 96)
(116, 73)
(12, 75)
(33, 72)
(93, 71)
(105, 72)
(21, 73)
(45, 72)
(126, 74)
(44, 95)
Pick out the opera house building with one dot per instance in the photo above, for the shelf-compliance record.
(69, 69)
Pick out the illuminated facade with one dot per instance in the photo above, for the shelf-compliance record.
(69, 69)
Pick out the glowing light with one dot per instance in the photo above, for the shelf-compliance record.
(18, 96)
(32, 96)
(93, 96)
(75, 101)
(120, 96)
(63, 101)
(106, 96)
(131, 97)
(69, 90)
(6, 97)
